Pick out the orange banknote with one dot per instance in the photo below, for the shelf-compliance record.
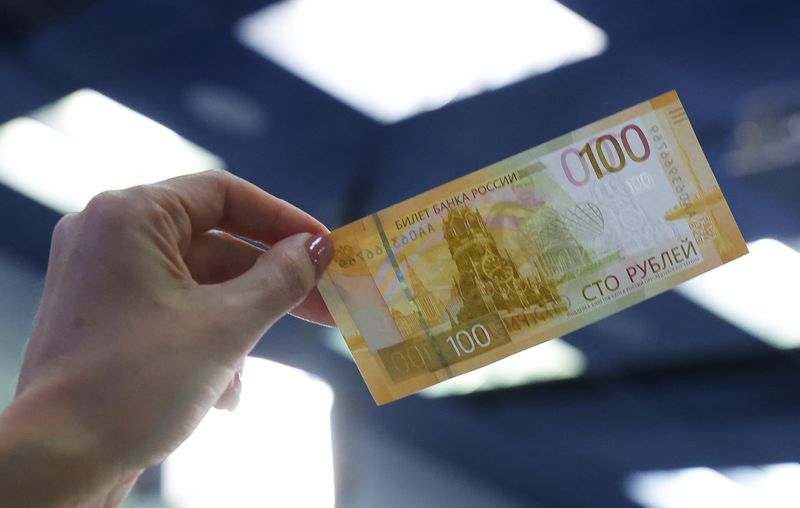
(528, 249)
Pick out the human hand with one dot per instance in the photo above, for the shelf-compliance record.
(150, 306)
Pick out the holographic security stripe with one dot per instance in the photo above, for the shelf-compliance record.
(409, 295)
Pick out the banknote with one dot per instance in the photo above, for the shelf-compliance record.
(530, 248)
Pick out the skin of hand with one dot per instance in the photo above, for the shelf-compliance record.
(150, 304)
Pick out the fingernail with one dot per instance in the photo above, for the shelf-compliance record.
(320, 251)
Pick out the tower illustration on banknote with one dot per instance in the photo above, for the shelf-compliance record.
(484, 281)
(528, 249)
(488, 280)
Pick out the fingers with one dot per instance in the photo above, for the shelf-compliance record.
(313, 309)
(233, 393)
(281, 279)
(215, 257)
(218, 199)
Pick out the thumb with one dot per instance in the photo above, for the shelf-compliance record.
(281, 278)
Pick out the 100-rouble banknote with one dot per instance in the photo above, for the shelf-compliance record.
(528, 249)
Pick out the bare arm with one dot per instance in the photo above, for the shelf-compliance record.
(149, 308)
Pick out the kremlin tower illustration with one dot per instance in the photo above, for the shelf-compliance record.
(485, 281)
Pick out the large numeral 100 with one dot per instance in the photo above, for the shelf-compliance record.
(466, 341)
(598, 157)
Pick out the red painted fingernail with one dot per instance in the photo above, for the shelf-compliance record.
(320, 251)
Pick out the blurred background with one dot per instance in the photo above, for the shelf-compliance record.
(691, 399)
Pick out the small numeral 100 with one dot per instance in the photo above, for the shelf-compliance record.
(605, 151)
(465, 341)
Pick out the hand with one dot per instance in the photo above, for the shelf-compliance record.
(150, 305)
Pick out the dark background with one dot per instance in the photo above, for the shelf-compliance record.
(668, 385)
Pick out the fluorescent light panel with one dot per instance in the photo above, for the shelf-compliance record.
(757, 292)
(391, 59)
(64, 154)
(772, 486)
(273, 450)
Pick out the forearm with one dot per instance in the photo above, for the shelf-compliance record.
(49, 459)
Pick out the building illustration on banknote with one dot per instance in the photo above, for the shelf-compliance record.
(530, 248)
(486, 280)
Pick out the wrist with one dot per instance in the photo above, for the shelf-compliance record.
(49, 457)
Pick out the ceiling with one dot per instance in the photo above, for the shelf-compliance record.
(667, 385)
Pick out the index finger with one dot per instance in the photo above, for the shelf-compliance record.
(220, 200)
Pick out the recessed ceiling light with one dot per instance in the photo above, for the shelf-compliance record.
(85, 143)
(391, 59)
(773, 486)
(273, 450)
(757, 292)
